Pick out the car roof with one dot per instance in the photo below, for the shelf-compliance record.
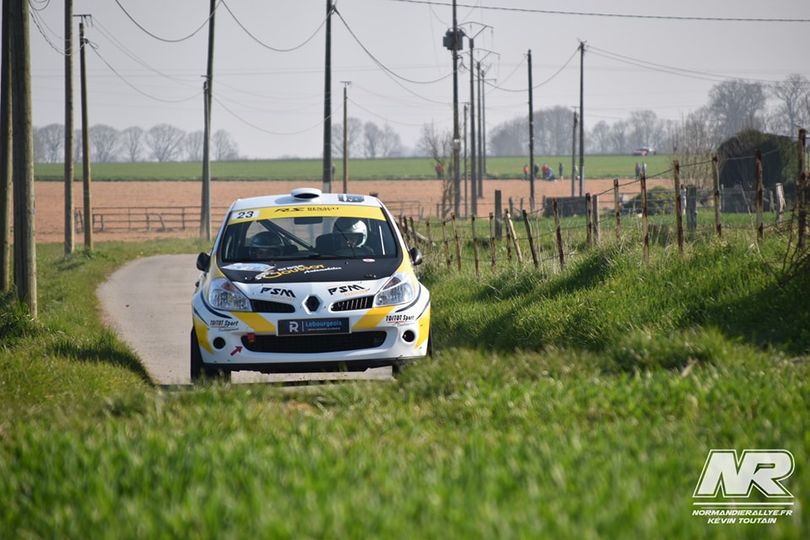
(306, 196)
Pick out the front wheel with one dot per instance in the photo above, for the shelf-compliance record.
(198, 370)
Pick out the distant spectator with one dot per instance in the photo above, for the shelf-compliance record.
(638, 170)
(536, 170)
(560, 168)
(644, 169)
(439, 170)
(525, 172)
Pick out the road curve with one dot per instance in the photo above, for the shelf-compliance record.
(148, 303)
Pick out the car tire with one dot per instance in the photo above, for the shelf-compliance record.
(198, 370)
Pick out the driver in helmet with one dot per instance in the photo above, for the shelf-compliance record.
(265, 245)
(352, 233)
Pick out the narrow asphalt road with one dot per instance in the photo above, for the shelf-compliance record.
(148, 303)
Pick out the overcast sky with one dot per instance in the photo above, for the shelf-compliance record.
(282, 93)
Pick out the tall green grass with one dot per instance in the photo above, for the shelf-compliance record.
(579, 405)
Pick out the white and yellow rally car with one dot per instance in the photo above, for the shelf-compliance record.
(308, 282)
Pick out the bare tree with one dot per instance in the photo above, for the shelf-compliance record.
(600, 137)
(225, 148)
(438, 145)
(510, 138)
(618, 137)
(737, 105)
(193, 145)
(353, 135)
(644, 128)
(104, 142)
(132, 143)
(390, 143)
(790, 114)
(372, 140)
(165, 141)
(51, 141)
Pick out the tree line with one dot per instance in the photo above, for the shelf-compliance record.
(366, 139)
(733, 106)
(162, 142)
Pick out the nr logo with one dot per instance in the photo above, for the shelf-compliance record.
(727, 475)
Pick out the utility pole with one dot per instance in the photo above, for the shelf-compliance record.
(452, 40)
(88, 210)
(466, 200)
(5, 153)
(327, 104)
(581, 118)
(483, 130)
(345, 138)
(574, 158)
(473, 176)
(25, 260)
(70, 237)
(205, 201)
(531, 136)
(480, 133)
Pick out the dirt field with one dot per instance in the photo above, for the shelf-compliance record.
(406, 197)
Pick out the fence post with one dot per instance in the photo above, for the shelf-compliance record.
(595, 218)
(676, 167)
(760, 195)
(183, 218)
(508, 242)
(446, 243)
(645, 228)
(458, 244)
(801, 195)
(559, 232)
(780, 202)
(531, 239)
(511, 231)
(475, 247)
(492, 238)
(588, 218)
(511, 206)
(691, 209)
(718, 227)
(427, 230)
(617, 208)
(498, 216)
(413, 231)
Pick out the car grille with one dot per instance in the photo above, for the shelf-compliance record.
(315, 344)
(352, 304)
(265, 306)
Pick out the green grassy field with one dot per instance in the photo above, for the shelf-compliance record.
(579, 405)
(596, 166)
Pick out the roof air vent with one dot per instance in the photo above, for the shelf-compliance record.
(306, 193)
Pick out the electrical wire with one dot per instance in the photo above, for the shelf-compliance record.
(35, 17)
(381, 117)
(379, 63)
(265, 45)
(538, 85)
(94, 48)
(168, 40)
(258, 128)
(611, 15)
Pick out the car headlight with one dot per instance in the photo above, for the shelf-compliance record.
(398, 290)
(222, 294)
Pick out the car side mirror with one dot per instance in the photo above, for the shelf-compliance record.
(416, 256)
(203, 262)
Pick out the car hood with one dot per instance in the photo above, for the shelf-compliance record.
(311, 271)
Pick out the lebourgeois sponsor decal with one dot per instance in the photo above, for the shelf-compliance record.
(273, 273)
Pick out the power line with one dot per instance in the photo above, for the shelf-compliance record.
(35, 17)
(381, 117)
(611, 15)
(542, 83)
(379, 63)
(265, 45)
(143, 93)
(167, 40)
(254, 126)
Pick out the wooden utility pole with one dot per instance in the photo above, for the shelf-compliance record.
(801, 194)
(25, 260)
(676, 166)
(581, 117)
(86, 179)
(70, 236)
(327, 104)
(5, 153)
(531, 135)
(205, 201)
(345, 137)
(480, 132)
(455, 45)
(760, 194)
(574, 158)
(473, 159)
(718, 227)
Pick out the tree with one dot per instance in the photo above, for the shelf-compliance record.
(553, 131)
(104, 143)
(438, 145)
(600, 137)
(49, 143)
(737, 105)
(511, 138)
(225, 148)
(164, 141)
(645, 128)
(372, 140)
(132, 143)
(193, 145)
(390, 143)
(618, 137)
(353, 135)
(792, 93)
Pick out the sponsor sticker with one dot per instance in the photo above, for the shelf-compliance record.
(288, 211)
(248, 267)
(277, 291)
(347, 290)
(223, 324)
(273, 273)
(297, 327)
(744, 489)
(398, 319)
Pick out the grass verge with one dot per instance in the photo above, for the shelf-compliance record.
(577, 433)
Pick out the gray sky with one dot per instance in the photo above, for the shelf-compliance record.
(282, 93)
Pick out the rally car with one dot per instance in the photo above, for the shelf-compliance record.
(308, 281)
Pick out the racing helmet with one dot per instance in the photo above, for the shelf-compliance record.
(354, 230)
(265, 244)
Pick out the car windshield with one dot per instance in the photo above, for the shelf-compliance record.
(307, 232)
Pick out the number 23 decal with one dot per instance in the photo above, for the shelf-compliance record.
(245, 214)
